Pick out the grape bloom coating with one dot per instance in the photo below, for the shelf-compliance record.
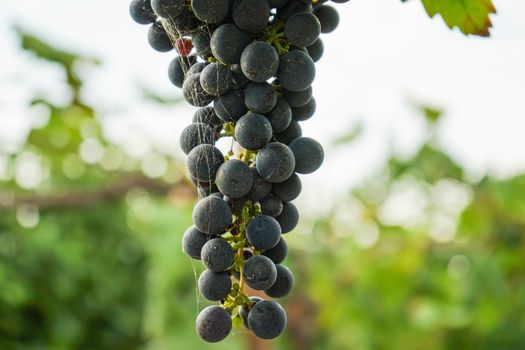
(248, 67)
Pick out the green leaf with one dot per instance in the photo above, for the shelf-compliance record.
(470, 16)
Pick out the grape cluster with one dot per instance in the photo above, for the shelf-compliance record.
(248, 65)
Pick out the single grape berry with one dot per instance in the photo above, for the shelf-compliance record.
(271, 206)
(178, 69)
(213, 324)
(302, 29)
(259, 61)
(275, 162)
(299, 98)
(259, 272)
(253, 131)
(212, 215)
(210, 11)
(283, 284)
(289, 217)
(216, 79)
(207, 115)
(316, 50)
(292, 132)
(141, 12)
(251, 15)
(228, 42)
(158, 38)
(328, 18)
(217, 255)
(260, 97)
(260, 188)
(304, 112)
(244, 310)
(280, 116)
(214, 285)
(196, 134)
(194, 93)
(230, 107)
(288, 190)
(204, 161)
(234, 178)
(296, 71)
(308, 153)
(192, 242)
(263, 232)
(183, 46)
(267, 319)
(168, 8)
(278, 253)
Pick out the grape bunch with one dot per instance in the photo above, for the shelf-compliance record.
(248, 65)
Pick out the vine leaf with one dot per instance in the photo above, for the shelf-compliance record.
(470, 16)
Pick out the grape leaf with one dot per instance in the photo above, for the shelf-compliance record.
(470, 16)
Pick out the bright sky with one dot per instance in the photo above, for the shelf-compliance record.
(383, 56)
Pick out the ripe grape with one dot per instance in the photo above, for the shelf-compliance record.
(213, 324)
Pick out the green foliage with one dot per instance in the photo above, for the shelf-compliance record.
(469, 16)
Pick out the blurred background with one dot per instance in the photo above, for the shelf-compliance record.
(412, 234)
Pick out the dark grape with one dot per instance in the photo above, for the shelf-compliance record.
(185, 23)
(259, 61)
(214, 285)
(228, 42)
(168, 8)
(141, 11)
(201, 42)
(275, 162)
(212, 215)
(216, 79)
(260, 97)
(236, 204)
(277, 3)
(328, 17)
(158, 38)
(192, 242)
(206, 189)
(230, 107)
(308, 153)
(259, 272)
(296, 71)
(253, 131)
(196, 68)
(302, 29)
(234, 178)
(217, 255)
(288, 190)
(278, 253)
(299, 98)
(178, 68)
(204, 161)
(316, 50)
(271, 206)
(291, 133)
(283, 285)
(263, 232)
(267, 319)
(196, 134)
(304, 112)
(207, 116)
(210, 11)
(243, 310)
(239, 79)
(281, 116)
(194, 93)
(213, 324)
(260, 188)
(289, 217)
(251, 15)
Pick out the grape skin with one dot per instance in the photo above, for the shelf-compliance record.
(304, 112)
(296, 71)
(280, 116)
(303, 29)
(251, 15)
(289, 217)
(271, 206)
(141, 11)
(158, 38)
(234, 178)
(217, 255)
(292, 132)
(328, 17)
(263, 232)
(228, 42)
(210, 11)
(259, 61)
(196, 134)
(216, 79)
(253, 131)
(316, 50)
(260, 188)
(230, 107)
(308, 153)
(278, 253)
(203, 162)
(275, 162)
(178, 68)
(283, 284)
(299, 98)
(259, 272)
(214, 285)
(212, 215)
(194, 93)
(288, 190)
(192, 242)
(168, 8)
(213, 324)
(260, 97)
(267, 319)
